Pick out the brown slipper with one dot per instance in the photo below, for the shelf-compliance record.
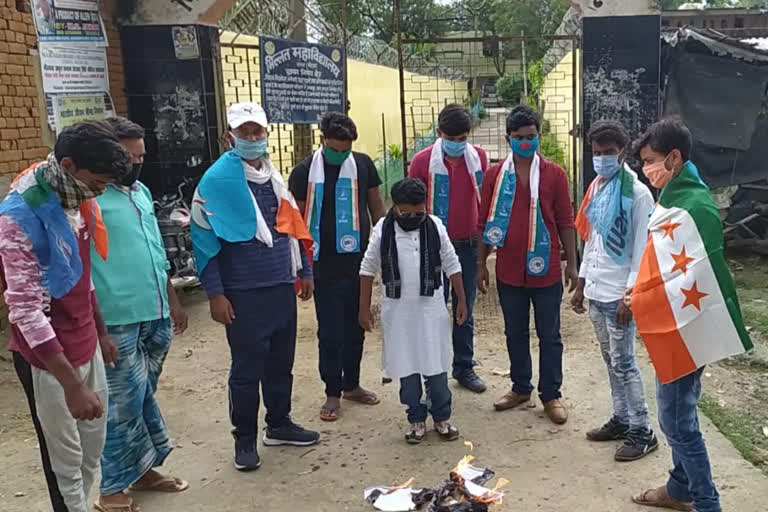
(127, 507)
(365, 398)
(660, 498)
(165, 484)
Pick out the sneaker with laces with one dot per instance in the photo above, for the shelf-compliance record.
(417, 433)
(290, 434)
(611, 431)
(471, 381)
(636, 446)
(246, 455)
(446, 430)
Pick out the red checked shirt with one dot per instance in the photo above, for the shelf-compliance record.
(557, 210)
(462, 203)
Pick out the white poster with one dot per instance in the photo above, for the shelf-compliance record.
(73, 69)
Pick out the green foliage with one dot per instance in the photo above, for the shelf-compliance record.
(510, 88)
(536, 78)
(531, 17)
(551, 149)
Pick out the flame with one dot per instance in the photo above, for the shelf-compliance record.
(470, 445)
(404, 485)
(464, 462)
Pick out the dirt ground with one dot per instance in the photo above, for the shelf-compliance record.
(550, 468)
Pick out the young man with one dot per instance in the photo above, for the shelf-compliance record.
(613, 220)
(325, 186)
(686, 308)
(56, 327)
(247, 233)
(411, 250)
(527, 214)
(453, 171)
(137, 302)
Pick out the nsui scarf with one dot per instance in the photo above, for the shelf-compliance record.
(537, 259)
(684, 300)
(439, 186)
(607, 206)
(347, 212)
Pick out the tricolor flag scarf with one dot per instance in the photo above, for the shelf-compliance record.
(439, 185)
(684, 300)
(607, 206)
(537, 260)
(347, 212)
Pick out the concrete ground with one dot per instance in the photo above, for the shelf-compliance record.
(550, 468)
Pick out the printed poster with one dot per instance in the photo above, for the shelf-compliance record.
(69, 110)
(185, 42)
(67, 70)
(301, 81)
(68, 21)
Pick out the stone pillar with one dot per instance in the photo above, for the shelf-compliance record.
(621, 66)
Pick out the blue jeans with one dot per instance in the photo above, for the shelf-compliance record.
(516, 306)
(463, 335)
(617, 344)
(438, 397)
(340, 337)
(691, 478)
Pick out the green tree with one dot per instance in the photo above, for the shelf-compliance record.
(530, 17)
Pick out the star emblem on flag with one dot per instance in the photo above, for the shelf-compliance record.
(681, 261)
(669, 229)
(693, 296)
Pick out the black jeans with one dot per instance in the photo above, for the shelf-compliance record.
(340, 337)
(516, 306)
(262, 340)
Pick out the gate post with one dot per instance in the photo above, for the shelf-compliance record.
(399, 36)
(621, 66)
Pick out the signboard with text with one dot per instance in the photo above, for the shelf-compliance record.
(70, 110)
(301, 81)
(67, 21)
(73, 69)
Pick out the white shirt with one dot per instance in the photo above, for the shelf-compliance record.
(417, 330)
(606, 281)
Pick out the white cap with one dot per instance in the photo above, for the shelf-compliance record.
(240, 113)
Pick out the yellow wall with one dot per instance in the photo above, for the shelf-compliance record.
(558, 105)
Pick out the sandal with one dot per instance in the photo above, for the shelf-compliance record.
(660, 498)
(127, 507)
(365, 398)
(417, 433)
(329, 413)
(165, 484)
(446, 431)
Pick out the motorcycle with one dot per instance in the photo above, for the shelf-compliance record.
(173, 217)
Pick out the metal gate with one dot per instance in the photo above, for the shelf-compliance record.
(289, 144)
(490, 74)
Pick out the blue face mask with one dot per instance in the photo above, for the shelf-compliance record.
(250, 149)
(606, 166)
(524, 148)
(454, 149)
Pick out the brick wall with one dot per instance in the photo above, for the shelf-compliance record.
(114, 57)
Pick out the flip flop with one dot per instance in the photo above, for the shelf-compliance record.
(165, 484)
(366, 398)
(329, 414)
(129, 507)
(660, 498)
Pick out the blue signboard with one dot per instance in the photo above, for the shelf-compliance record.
(301, 81)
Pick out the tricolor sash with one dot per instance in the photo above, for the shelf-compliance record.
(439, 185)
(537, 260)
(347, 211)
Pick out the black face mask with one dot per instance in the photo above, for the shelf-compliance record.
(131, 178)
(412, 222)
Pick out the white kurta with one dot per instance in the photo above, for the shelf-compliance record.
(417, 330)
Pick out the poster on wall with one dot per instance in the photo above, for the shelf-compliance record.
(68, 21)
(72, 109)
(73, 69)
(50, 99)
(185, 42)
(301, 81)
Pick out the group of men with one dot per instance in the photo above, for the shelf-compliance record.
(92, 310)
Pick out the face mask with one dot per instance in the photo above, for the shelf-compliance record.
(410, 221)
(334, 157)
(658, 174)
(454, 149)
(133, 176)
(606, 166)
(524, 148)
(250, 149)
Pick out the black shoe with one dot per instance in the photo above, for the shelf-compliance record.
(290, 433)
(246, 456)
(472, 382)
(611, 431)
(636, 446)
